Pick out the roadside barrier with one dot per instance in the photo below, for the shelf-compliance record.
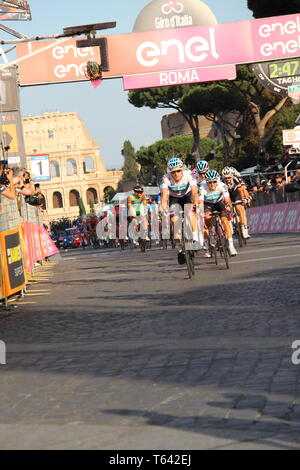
(24, 242)
(274, 218)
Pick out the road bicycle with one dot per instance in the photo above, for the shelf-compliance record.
(236, 227)
(218, 243)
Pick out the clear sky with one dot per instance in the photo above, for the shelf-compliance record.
(109, 118)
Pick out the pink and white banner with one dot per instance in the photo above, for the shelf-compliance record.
(48, 246)
(274, 218)
(241, 42)
(179, 77)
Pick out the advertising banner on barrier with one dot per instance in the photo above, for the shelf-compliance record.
(275, 218)
(29, 247)
(38, 244)
(12, 262)
(48, 246)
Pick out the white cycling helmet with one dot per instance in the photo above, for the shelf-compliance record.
(235, 172)
(227, 172)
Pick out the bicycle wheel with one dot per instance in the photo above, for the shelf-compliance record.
(222, 243)
(142, 244)
(189, 264)
(213, 253)
(165, 244)
(224, 250)
(238, 232)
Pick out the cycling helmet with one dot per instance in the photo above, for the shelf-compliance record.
(175, 164)
(235, 172)
(212, 175)
(227, 172)
(202, 166)
(138, 189)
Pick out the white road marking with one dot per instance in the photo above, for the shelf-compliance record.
(265, 259)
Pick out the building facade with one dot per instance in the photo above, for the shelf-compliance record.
(174, 124)
(76, 168)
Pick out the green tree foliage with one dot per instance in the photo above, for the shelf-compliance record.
(167, 97)
(82, 210)
(92, 208)
(214, 101)
(153, 159)
(109, 193)
(130, 166)
(190, 101)
(262, 106)
(265, 8)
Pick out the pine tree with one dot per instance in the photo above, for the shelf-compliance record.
(130, 165)
(82, 210)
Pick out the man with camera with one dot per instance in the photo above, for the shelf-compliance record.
(22, 181)
(7, 187)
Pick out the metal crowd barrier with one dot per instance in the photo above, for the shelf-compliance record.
(273, 196)
(22, 244)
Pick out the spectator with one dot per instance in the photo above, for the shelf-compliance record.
(277, 182)
(264, 186)
(296, 176)
(40, 196)
(7, 188)
(22, 181)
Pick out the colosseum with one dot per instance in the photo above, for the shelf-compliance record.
(76, 168)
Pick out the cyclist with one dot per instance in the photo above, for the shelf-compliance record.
(202, 168)
(237, 195)
(216, 197)
(246, 196)
(179, 187)
(137, 206)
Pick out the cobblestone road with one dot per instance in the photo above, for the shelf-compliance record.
(119, 350)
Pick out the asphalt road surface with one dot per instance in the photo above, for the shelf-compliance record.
(120, 350)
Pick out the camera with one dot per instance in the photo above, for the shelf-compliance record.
(3, 178)
(4, 164)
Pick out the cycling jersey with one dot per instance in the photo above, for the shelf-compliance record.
(135, 203)
(213, 196)
(233, 189)
(178, 188)
(200, 182)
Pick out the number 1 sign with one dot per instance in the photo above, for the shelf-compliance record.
(40, 167)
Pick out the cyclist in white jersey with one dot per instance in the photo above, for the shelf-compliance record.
(235, 186)
(215, 196)
(179, 187)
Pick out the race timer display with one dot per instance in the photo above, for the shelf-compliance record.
(290, 68)
(277, 76)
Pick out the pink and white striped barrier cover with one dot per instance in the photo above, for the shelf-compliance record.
(274, 218)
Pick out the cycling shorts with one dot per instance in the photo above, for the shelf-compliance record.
(217, 206)
(186, 199)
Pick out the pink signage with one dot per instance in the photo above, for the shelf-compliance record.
(241, 42)
(179, 77)
(48, 246)
(275, 218)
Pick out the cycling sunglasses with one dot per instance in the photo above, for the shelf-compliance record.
(209, 182)
(176, 171)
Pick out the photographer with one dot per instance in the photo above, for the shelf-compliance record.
(22, 182)
(7, 187)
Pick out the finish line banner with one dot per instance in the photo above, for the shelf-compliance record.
(241, 42)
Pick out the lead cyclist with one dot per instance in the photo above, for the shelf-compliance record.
(179, 187)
